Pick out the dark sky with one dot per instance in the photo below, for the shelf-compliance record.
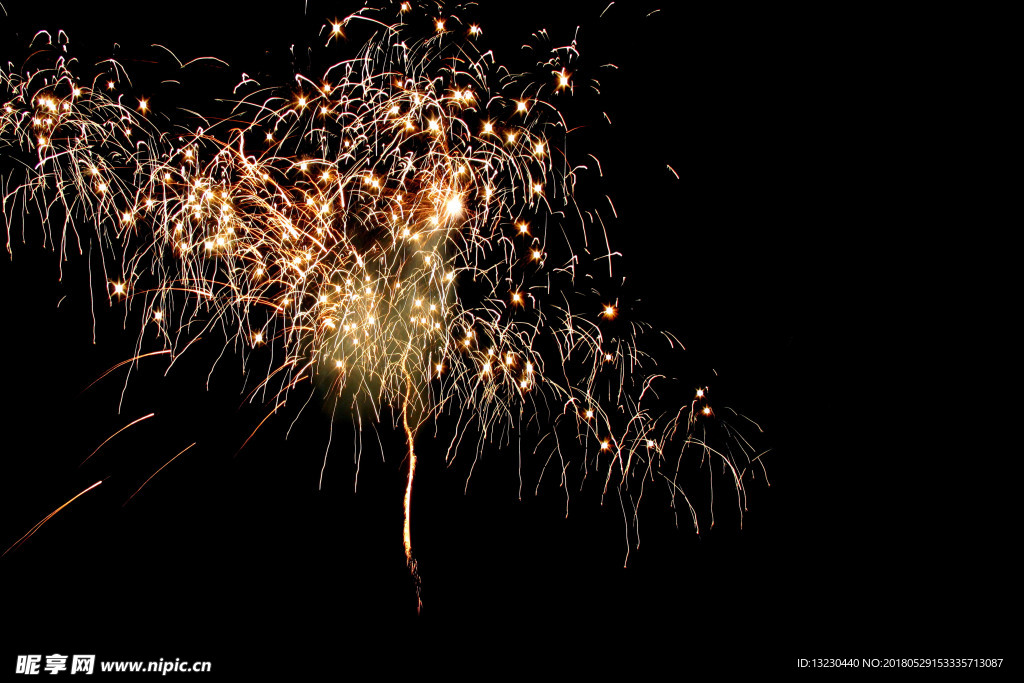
(778, 256)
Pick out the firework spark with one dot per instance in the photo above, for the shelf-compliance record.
(398, 235)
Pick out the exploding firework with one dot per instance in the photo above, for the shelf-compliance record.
(396, 235)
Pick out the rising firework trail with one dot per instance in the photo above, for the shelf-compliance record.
(396, 234)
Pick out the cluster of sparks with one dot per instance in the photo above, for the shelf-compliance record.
(398, 235)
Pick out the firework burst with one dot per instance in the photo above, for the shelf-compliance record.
(397, 235)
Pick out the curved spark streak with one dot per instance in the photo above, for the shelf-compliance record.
(109, 438)
(47, 518)
(186, 449)
(407, 525)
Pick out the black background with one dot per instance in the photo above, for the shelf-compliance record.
(790, 258)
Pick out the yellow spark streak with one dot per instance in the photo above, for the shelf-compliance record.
(156, 473)
(107, 440)
(407, 530)
(407, 526)
(244, 443)
(47, 518)
(123, 363)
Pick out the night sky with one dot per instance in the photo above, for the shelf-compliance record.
(779, 256)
